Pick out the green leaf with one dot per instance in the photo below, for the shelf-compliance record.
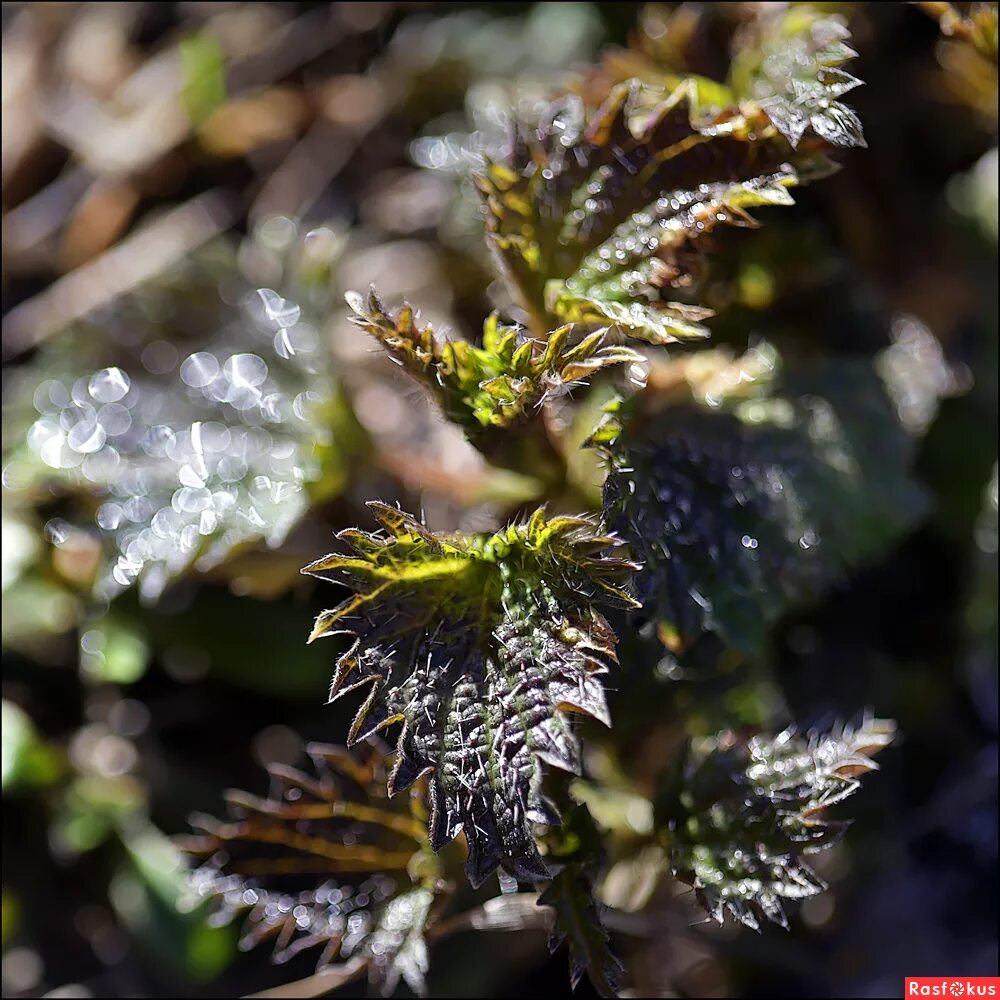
(577, 848)
(146, 893)
(27, 759)
(95, 806)
(976, 24)
(324, 862)
(790, 62)
(203, 69)
(497, 384)
(746, 492)
(596, 221)
(481, 645)
(578, 923)
(592, 222)
(113, 651)
(11, 910)
(743, 814)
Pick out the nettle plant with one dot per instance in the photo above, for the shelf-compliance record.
(735, 487)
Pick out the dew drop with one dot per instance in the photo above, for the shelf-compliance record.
(51, 397)
(276, 311)
(101, 465)
(253, 516)
(52, 450)
(109, 516)
(231, 468)
(283, 344)
(270, 407)
(109, 385)
(189, 538)
(189, 477)
(75, 414)
(199, 370)
(159, 357)
(245, 370)
(124, 572)
(303, 403)
(57, 531)
(508, 884)
(166, 523)
(158, 440)
(114, 418)
(137, 509)
(215, 437)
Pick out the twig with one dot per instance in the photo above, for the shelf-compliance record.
(516, 912)
(135, 260)
(316, 985)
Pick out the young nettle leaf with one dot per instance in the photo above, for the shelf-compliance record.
(787, 65)
(748, 493)
(324, 862)
(663, 52)
(790, 62)
(975, 23)
(497, 384)
(482, 646)
(578, 849)
(595, 223)
(578, 923)
(743, 814)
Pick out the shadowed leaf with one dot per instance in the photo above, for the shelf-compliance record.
(750, 491)
(578, 923)
(324, 862)
(578, 848)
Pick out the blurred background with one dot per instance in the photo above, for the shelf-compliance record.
(187, 191)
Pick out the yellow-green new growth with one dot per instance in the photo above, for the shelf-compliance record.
(497, 384)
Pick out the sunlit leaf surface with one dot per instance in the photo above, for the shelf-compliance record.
(482, 646)
(790, 61)
(787, 64)
(593, 220)
(599, 216)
